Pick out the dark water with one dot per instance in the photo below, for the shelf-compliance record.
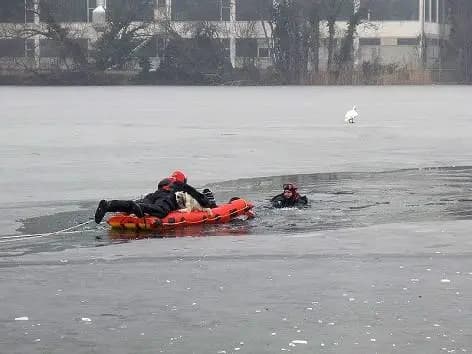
(337, 201)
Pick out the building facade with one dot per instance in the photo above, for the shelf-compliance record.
(404, 32)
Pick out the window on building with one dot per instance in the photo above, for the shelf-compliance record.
(226, 47)
(434, 10)
(12, 48)
(342, 10)
(196, 10)
(369, 41)
(29, 11)
(252, 10)
(91, 5)
(137, 10)
(12, 11)
(407, 41)
(162, 7)
(64, 10)
(427, 11)
(161, 46)
(441, 11)
(263, 52)
(391, 10)
(345, 10)
(444, 11)
(325, 42)
(246, 47)
(49, 48)
(225, 6)
(30, 48)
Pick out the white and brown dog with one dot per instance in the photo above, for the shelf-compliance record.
(187, 203)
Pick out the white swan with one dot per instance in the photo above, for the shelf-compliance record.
(350, 115)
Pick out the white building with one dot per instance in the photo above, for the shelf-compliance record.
(404, 32)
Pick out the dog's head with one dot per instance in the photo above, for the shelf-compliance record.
(180, 198)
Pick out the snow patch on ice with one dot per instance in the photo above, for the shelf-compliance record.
(299, 341)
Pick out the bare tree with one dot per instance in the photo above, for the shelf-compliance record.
(124, 35)
(331, 11)
(296, 38)
(65, 39)
(129, 27)
(344, 58)
(290, 38)
(314, 12)
(200, 56)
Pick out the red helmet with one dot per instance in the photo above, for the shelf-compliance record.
(179, 176)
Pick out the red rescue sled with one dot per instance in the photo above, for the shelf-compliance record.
(222, 214)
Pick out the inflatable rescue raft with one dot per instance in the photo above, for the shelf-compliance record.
(221, 214)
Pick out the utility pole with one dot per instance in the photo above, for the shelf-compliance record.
(422, 41)
(36, 38)
(232, 33)
(355, 44)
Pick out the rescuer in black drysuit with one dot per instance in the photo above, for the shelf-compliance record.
(159, 203)
(289, 198)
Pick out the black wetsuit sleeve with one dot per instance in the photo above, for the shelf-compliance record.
(278, 201)
(303, 200)
(201, 198)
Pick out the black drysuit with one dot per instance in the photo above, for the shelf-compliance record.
(279, 201)
(161, 202)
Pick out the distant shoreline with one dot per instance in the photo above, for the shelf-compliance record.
(266, 78)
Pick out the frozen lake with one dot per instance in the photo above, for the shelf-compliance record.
(82, 143)
(60, 145)
(382, 257)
